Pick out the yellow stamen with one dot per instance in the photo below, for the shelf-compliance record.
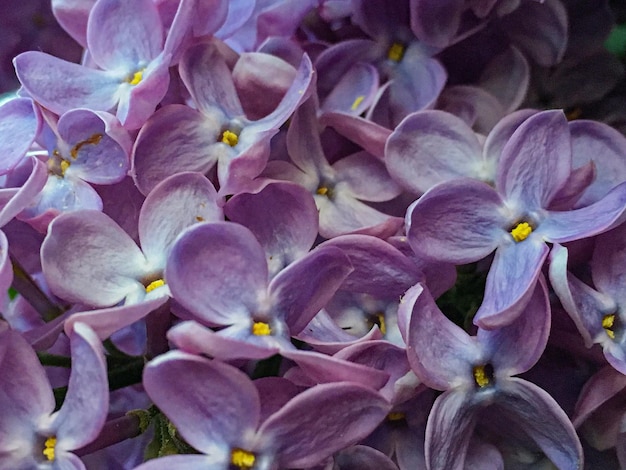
(359, 99)
(230, 138)
(608, 322)
(154, 284)
(322, 191)
(380, 321)
(480, 376)
(50, 443)
(199, 219)
(242, 459)
(93, 140)
(260, 328)
(521, 231)
(396, 52)
(64, 166)
(136, 78)
(395, 416)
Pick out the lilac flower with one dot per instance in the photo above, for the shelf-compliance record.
(477, 372)
(126, 40)
(32, 435)
(598, 313)
(218, 413)
(462, 221)
(217, 132)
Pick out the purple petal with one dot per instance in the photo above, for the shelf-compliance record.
(218, 272)
(440, 353)
(604, 385)
(475, 106)
(323, 420)
(72, 15)
(88, 258)
(507, 77)
(516, 347)
(288, 231)
(536, 161)
(209, 81)
(460, 221)
(429, 147)
(511, 281)
(305, 287)
(436, 23)
(124, 34)
(572, 225)
(86, 404)
(217, 407)
(188, 462)
(449, 429)
(20, 123)
(354, 93)
(173, 205)
(61, 86)
(27, 193)
(536, 412)
(367, 134)
(366, 177)
(173, 128)
(502, 132)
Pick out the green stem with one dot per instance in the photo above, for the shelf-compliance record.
(54, 360)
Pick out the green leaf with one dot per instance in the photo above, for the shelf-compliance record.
(616, 42)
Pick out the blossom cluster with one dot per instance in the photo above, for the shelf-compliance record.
(329, 234)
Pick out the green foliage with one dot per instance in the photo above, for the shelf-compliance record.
(461, 302)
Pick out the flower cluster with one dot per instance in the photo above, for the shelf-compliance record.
(328, 234)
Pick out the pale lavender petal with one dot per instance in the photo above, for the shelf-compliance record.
(595, 142)
(323, 420)
(355, 92)
(502, 132)
(475, 106)
(460, 221)
(239, 11)
(20, 123)
(449, 429)
(178, 129)
(61, 86)
(572, 225)
(536, 161)
(86, 404)
(218, 272)
(379, 269)
(88, 258)
(27, 193)
(124, 35)
(516, 347)
(367, 134)
(214, 410)
(440, 353)
(366, 177)
(188, 462)
(286, 232)
(303, 141)
(511, 281)
(303, 288)
(173, 205)
(72, 15)
(209, 81)
(536, 412)
(607, 262)
(99, 147)
(429, 147)
(104, 322)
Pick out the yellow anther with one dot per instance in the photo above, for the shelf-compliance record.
(64, 166)
(93, 140)
(396, 52)
(380, 321)
(359, 99)
(608, 322)
(230, 138)
(322, 191)
(395, 416)
(154, 284)
(136, 78)
(50, 444)
(260, 328)
(521, 231)
(199, 219)
(242, 459)
(480, 376)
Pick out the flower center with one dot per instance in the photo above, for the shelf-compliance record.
(230, 138)
(396, 52)
(242, 459)
(48, 450)
(154, 284)
(521, 231)
(378, 319)
(135, 78)
(483, 375)
(93, 140)
(260, 328)
(395, 416)
(609, 324)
